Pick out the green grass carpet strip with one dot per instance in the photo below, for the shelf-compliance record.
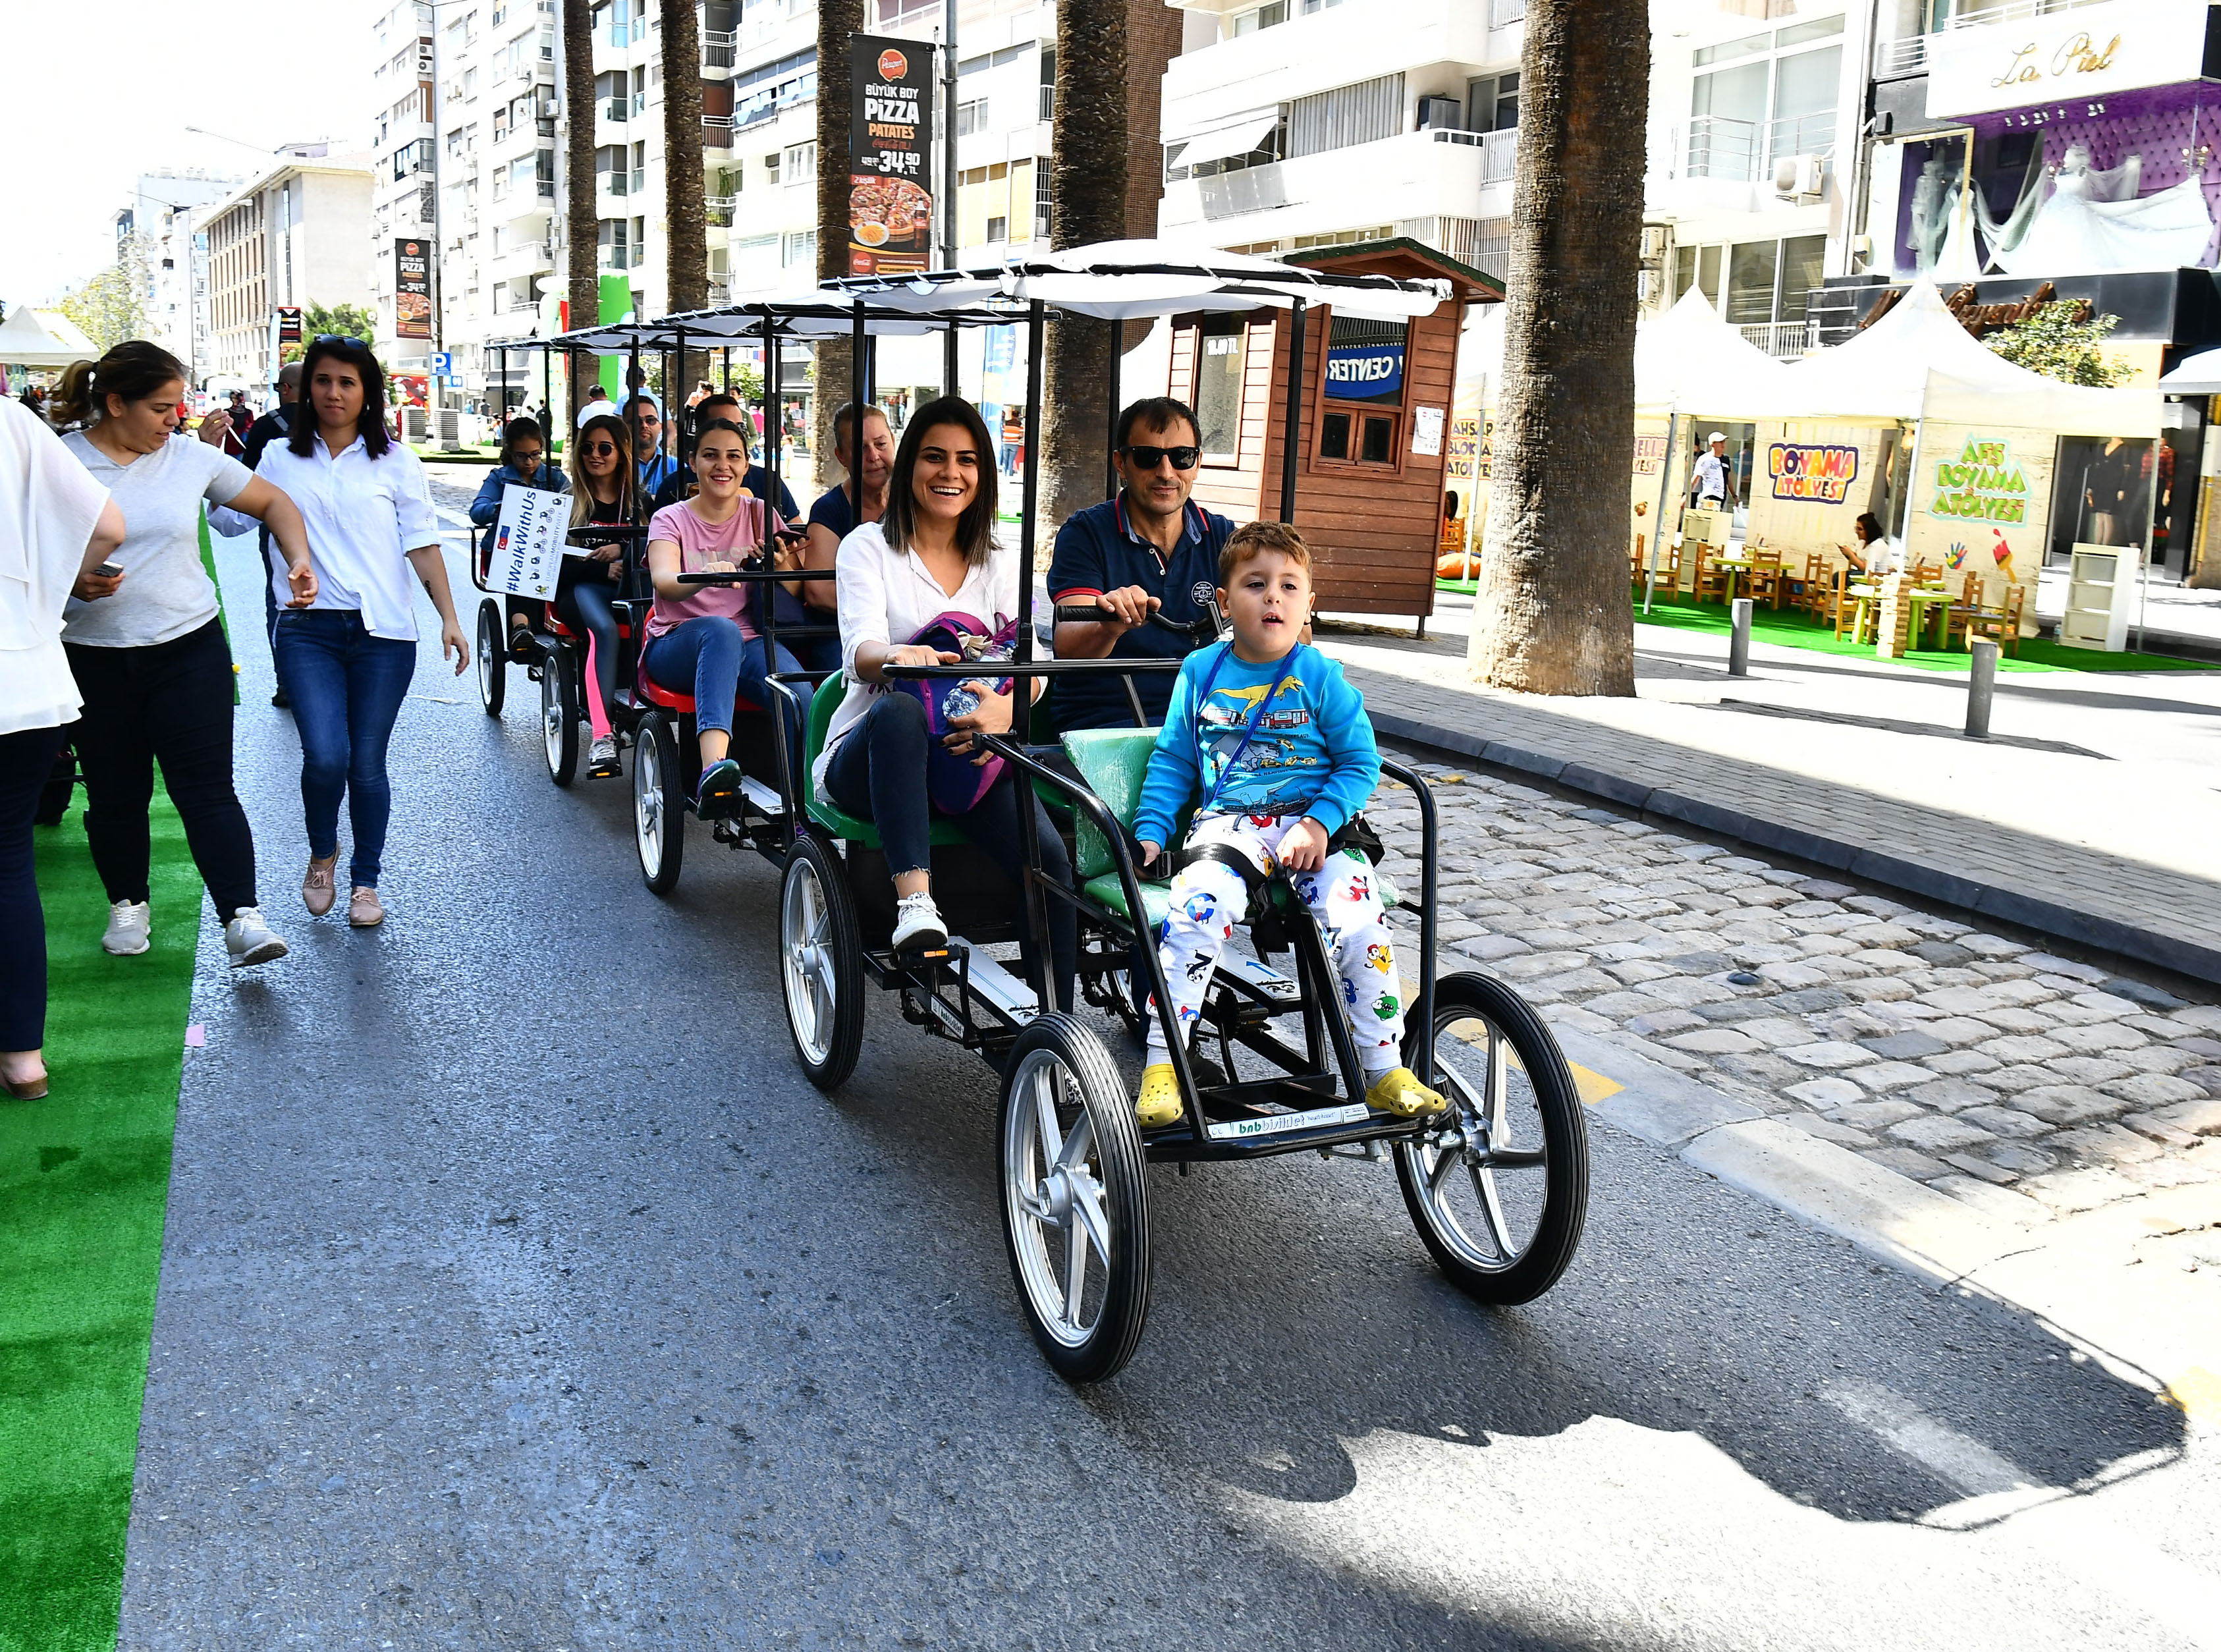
(1788, 630)
(85, 1182)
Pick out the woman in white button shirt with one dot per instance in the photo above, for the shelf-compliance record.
(345, 661)
(932, 554)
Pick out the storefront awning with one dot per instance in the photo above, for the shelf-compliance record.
(2197, 375)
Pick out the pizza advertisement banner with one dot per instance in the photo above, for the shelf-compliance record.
(890, 140)
(412, 288)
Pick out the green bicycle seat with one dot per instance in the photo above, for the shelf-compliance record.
(822, 810)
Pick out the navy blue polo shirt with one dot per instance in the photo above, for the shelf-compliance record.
(834, 512)
(1099, 550)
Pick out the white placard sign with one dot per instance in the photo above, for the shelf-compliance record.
(1427, 431)
(2067, 57)
(528, 541)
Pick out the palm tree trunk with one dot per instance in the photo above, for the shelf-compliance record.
(581, 230)
(1552, 614)
(836, 21)
(685, 243)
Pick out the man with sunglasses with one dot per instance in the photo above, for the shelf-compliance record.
(644, 414)
(1150, 550)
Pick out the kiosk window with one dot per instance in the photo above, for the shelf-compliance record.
(1222, 352)
(1365, 366)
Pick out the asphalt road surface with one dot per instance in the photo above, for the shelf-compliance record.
(518, 1292)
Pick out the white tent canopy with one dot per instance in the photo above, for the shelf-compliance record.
(43, 338)
(1917, 361)
(1689, 360)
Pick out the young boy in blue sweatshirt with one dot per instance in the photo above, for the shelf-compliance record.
(1273, 744)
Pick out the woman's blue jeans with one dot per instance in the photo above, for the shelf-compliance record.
(347, 687)
(707, 657)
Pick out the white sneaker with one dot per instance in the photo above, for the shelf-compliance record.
(918, 927)
(251, 941)
(127, 923)
(602, 758)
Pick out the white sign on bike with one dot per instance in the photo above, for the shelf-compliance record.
(527, 542)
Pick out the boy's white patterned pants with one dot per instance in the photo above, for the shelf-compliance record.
(1209, 898)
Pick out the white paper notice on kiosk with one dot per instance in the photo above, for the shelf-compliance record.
(1427, 431)
(527, 542)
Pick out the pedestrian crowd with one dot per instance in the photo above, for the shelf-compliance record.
(114, 654)
(112, 645)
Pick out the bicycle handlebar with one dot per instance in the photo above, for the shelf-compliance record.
(1202, 631)
(752, 576)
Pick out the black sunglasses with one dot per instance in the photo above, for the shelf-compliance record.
(348, 338)
(1148, 458)
(598, 450)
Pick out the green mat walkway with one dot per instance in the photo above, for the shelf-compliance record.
(84, 1182)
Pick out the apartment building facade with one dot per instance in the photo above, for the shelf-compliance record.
(295, 236)
(160, 231)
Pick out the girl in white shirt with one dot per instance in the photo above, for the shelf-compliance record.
(933, 553)
(57, 524)
(346, 659)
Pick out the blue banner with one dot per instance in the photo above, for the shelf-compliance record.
(1365, 372)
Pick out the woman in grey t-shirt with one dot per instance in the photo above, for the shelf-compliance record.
(148, 652)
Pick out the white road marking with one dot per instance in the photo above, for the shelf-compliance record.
(1961, 1462)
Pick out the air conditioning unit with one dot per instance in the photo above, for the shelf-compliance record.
(1444, 114)
(1800, 178)
(1654, 243)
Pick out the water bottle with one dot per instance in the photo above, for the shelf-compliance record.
(960, 701)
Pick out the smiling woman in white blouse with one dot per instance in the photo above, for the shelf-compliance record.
(345, 660)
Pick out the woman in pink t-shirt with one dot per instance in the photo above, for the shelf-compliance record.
(703, 638)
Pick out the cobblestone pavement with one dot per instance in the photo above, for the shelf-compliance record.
(2028, 1085)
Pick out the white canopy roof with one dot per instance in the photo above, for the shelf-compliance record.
(2197, 375)
(1689, 360)
(1126, 280)
(1917, 361)
(43, 338)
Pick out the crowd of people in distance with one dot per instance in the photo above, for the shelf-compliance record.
(115, 648)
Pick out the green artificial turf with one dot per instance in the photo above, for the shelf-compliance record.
(1790, 630)
(85, 1182)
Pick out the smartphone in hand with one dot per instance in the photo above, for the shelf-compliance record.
(109, 569)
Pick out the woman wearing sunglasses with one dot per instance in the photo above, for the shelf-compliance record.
(587, 584)
(346, 660)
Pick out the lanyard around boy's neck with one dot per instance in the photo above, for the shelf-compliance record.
(1256, 716)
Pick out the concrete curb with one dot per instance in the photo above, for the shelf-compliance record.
(1841, 854)
(2079, 1277)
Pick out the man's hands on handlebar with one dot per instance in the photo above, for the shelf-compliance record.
(1111, 617)
(1126, 607)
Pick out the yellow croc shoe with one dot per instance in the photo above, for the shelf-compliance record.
(1160, 1097)
(1399, 1091)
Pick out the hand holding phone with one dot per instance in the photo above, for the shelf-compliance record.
(101, 582)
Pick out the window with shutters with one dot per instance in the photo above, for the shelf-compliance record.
(1365, 113)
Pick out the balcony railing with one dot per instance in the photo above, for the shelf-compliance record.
(717, 210)
(1896, 58)
(1785, 341)
(1502, 14)
(1726, 150)
(531, 253)
(1499, 151)
(718, 48)
(717, 131)
(1893, 60)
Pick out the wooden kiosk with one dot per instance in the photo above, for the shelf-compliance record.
(1367, 416)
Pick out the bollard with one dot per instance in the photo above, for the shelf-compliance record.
(1981, 683)
(1739, 638)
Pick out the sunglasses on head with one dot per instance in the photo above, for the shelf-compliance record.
(348, 338)
(1148, 458)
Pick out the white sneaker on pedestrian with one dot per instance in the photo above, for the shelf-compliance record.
(129, 922)
(918, 927)
(250, 941)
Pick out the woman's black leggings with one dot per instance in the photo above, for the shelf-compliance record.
(877, 773)
(167, 702)
(26, 757)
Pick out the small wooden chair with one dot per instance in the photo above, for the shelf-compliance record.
(1814, 591)
(1713, 582)
(1849, 609)
(1971, 617)
(1768, 579)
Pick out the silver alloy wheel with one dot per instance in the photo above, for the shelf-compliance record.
(1054, 1195)
(648, 804)
(485, 666)
(1494, 1126)
(806, 962)
(552, 716)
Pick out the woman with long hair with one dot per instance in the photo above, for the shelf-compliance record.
(867, 454)
(933, 553)
(704, 639)
(148, 649)
(524, 463)
(586, 584)
(346, 660)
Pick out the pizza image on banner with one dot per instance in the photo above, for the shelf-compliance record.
(891, 139)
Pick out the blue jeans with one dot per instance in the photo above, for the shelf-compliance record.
(347, 687)
(710, 650)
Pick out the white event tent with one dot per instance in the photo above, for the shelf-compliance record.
(43, 338)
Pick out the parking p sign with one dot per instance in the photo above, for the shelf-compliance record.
(443, 363)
